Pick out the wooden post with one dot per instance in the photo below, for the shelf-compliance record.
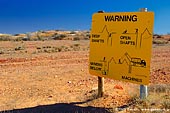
(100, 86)
(100, 79)
(143, 88)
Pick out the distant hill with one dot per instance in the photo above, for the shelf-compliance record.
(47, 35)
(161, 39)
(66, 35)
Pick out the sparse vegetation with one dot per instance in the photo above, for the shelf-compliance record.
(38, 47)
(76, 45)
(59, 36)
(76, 38)
(19, 48)
(159, 88)
(1, 52)
(5, 38)
(46, 35)
(19, 39)
(165, 105)
(157, 36)
(53, 49)
(72, 32)
(157, 101)
(47, 73)
(159, 42)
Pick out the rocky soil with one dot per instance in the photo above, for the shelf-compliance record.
(37, 76)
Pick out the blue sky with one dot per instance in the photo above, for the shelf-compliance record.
(22, 16)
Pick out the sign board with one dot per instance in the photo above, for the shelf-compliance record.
(120, 46)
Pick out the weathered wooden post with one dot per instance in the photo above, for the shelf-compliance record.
(143, 88)
(100, 79)
(100, 86)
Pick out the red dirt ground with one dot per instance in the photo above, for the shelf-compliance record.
(54, 81)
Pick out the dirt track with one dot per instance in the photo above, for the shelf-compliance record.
(62, 78)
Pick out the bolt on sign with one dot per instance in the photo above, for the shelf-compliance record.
(120, 46)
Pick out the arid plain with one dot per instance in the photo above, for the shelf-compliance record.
(52, 76)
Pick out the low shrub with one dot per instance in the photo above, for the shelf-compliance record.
(19, 48)
(76, 38)
(1, 52)
(160, 42)
(59, 36)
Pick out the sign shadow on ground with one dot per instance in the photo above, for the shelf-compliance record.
(60, 108)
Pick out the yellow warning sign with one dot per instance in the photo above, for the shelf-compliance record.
(120, 46)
